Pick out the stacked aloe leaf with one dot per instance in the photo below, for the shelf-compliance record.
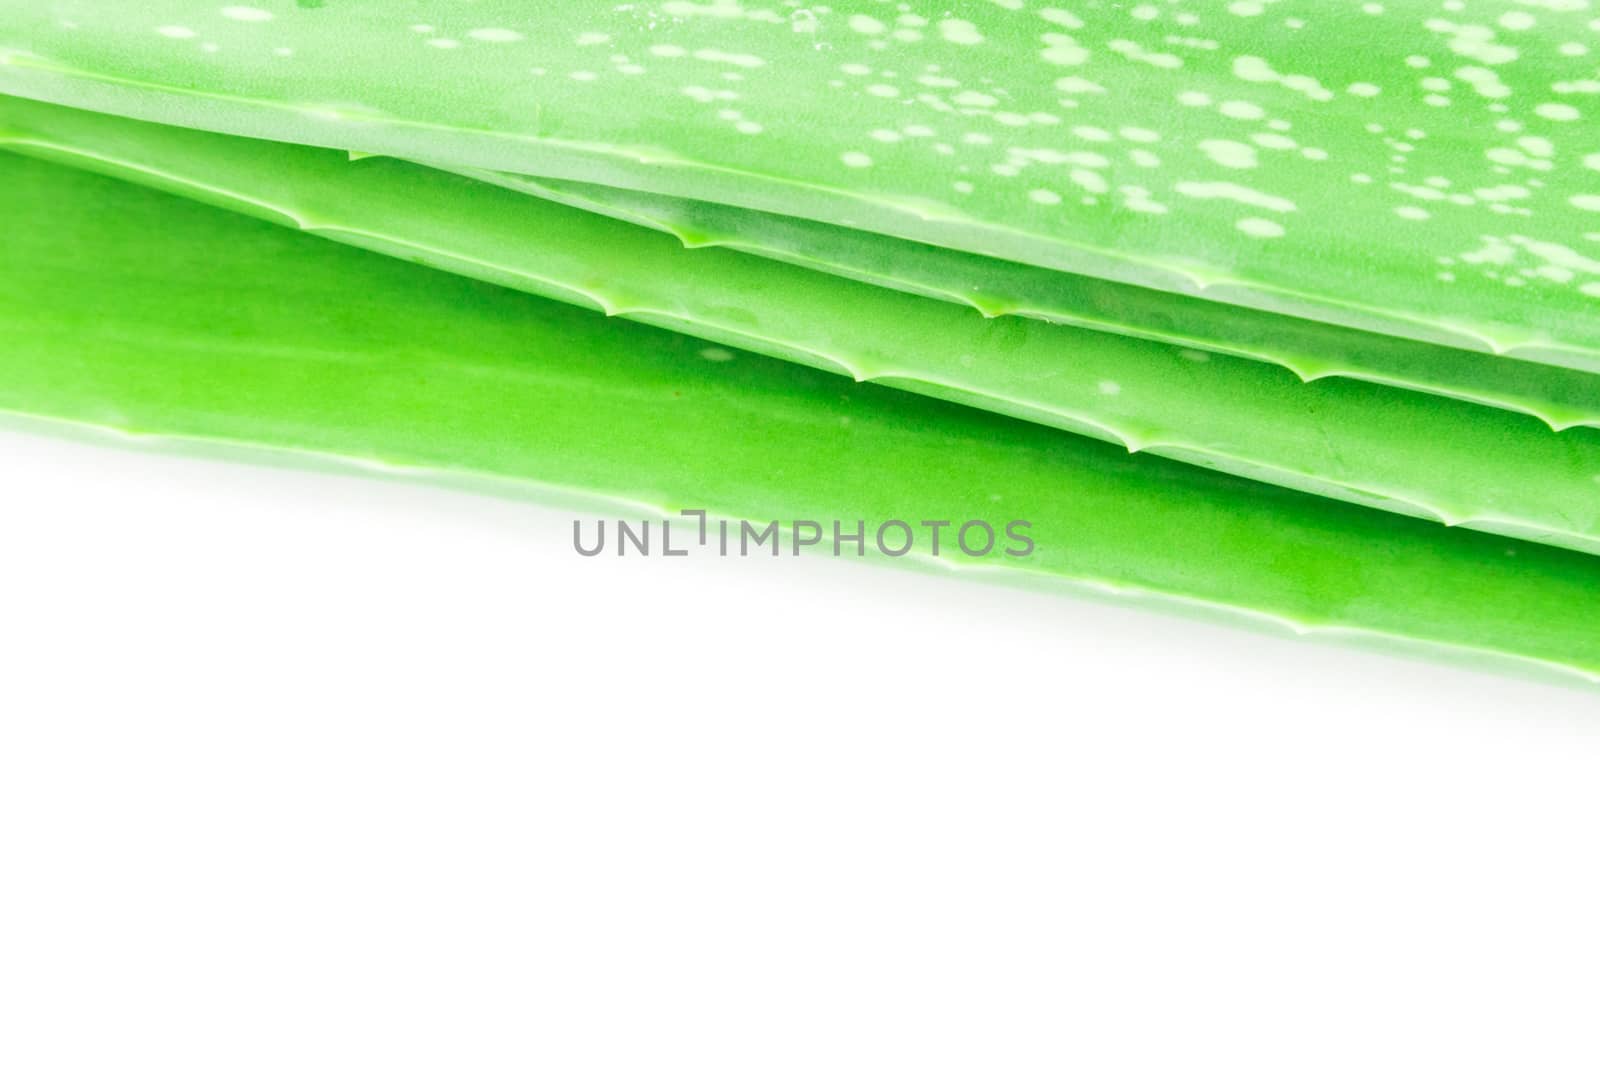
(1284, 308)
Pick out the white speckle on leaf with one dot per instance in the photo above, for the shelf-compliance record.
(1254, 227)
(960, 31)
(1231, 154)
(494, 35)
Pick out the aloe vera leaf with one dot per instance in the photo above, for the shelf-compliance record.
(1389, 167)
(1407, 452)
(152, 315)
(1559, 396)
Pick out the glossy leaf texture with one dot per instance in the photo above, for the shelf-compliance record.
(134, 311)
(1410, 168)
(1404, 451)
(1559, 396)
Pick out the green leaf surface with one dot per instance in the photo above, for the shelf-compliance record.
(1559, 396)
(1408, 167)
(124, 308)
(1404, 451)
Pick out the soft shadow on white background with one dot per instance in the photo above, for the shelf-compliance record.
(298, 768)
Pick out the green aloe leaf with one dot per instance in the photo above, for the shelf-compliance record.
(1559, 396)
(1404, 451)
(1402, 167)
(124, 308)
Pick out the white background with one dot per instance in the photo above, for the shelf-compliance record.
(308, 769)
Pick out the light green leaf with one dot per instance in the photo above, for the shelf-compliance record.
(1398, 167)
(1404, 451)
(124, 308)
(1559, 396)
